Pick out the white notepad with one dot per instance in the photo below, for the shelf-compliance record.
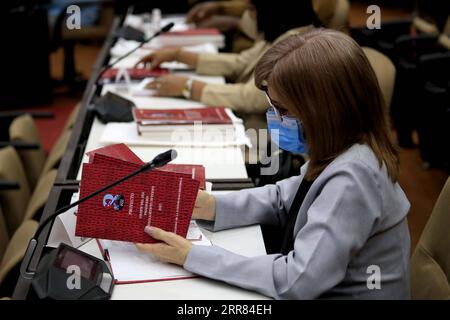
(129, 265)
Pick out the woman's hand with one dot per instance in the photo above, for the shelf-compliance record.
(202, 11)
(205, 206)
(174, 248)
(168, 86)
(157, 57)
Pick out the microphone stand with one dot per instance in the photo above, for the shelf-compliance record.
(159, 161)
(166, 28)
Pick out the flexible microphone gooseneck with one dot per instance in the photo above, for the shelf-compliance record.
(159, 161)
(166, 28)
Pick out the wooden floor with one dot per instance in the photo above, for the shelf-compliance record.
(421, 186)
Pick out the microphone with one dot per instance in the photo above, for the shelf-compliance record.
(160, 160)
(50, 259)
(166, 28)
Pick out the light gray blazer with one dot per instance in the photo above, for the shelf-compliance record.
(352, 222)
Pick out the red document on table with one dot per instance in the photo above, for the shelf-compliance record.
(135, 73)
(197, 172)
(164, 199)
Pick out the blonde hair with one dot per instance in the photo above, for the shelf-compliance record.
(328, 83)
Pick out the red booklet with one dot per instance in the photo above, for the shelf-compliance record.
(208, 115)
(158, 198)
(135, 73)
(118, 151)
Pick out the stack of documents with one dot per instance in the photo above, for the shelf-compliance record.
(202, 135)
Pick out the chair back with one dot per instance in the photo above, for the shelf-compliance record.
(4, 235)
(14, 202)
(10, 264)
(385, 72)
(23, 129)
(57, 152)
(430, 263)
(40, 195)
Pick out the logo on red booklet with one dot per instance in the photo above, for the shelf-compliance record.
(116, 202)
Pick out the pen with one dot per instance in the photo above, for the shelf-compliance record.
(106, 255)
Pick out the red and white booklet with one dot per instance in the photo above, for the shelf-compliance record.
(164, 199)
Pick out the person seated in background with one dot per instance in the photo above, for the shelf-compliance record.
(232, 18)
(345, 232)
(240, 94)
(202, 11)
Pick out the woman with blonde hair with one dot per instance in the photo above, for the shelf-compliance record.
(345, 232)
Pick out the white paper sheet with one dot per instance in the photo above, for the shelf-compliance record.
(123, 46)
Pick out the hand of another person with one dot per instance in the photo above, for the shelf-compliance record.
(202, 11)
(174, 249)
(168, 86)
(205, 206)
(157, 57)
(223, 23)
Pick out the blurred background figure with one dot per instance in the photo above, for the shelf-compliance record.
(230, 17)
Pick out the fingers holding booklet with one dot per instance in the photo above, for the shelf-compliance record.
(174, 248)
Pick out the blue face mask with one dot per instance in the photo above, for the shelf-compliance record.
(288, 132)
